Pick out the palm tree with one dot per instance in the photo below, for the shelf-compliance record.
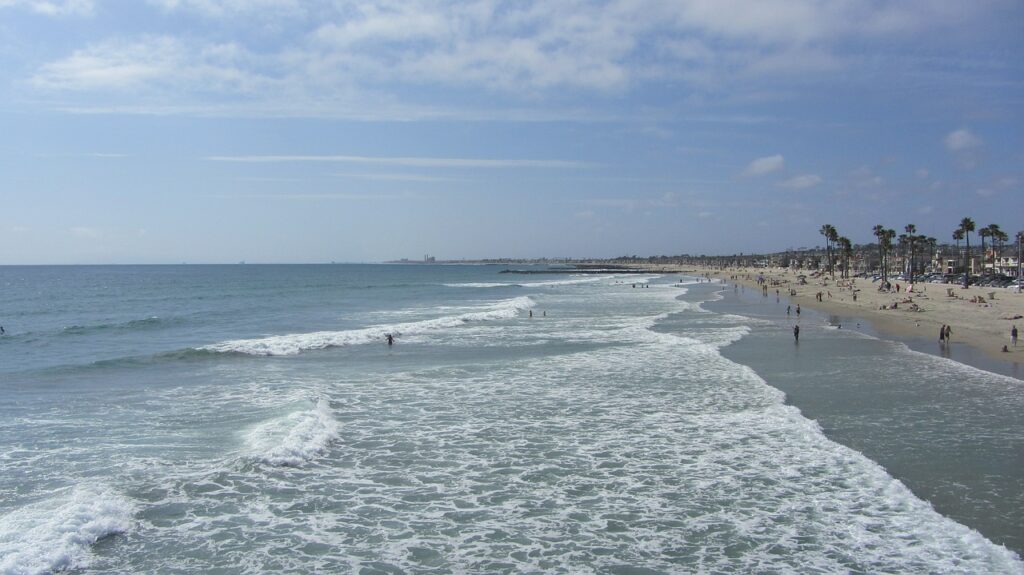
(958, 234)
(834, 238)
(830, 233)
(847, 251)
(886, 244)
(984, 233)
(912, 238)
(879, 231)
(998, 237)
(967, 225)
(1020, 239)
(932, 246)
(902, 242)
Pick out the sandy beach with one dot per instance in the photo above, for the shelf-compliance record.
(978, 316)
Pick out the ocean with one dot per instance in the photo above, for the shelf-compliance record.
(253, 418)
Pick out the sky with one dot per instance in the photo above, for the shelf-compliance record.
(218, 131)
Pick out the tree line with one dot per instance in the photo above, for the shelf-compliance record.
(910, 241)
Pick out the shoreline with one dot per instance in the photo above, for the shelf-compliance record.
(920, 426)
(979, 322)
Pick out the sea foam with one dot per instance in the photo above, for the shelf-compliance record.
(295, 438)
(293, 344)
(546, 283)
(55, 534)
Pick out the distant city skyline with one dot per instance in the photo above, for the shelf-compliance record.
(218, 131)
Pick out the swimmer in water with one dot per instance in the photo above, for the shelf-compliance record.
(390, 338)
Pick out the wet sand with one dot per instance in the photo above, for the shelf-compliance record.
(980, 318)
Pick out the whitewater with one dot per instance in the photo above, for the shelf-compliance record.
(246, 419)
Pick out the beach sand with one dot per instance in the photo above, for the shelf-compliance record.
(978, 316)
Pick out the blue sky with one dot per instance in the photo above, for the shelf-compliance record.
(166, 131)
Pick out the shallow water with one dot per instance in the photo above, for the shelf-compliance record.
(242, 419)
(952, 432)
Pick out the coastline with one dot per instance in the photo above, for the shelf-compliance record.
(931, 424)
(982, 327)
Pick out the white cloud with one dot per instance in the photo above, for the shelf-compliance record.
(399, 177)
(314, 197)
(625, 204)
(156, 63)
(864, 177)
(52, 8)
(801, 182)
(230, 8)
(407, 161)
(766, 165)
(961, 140)
(985, 192)
(343, 59)
(965, 147)
(1007, 182)
(84, 232)
(668, 199)
(922, 173)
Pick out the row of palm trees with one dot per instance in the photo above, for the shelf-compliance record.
(885, 246)
(910, 241)
(834, 240)
(963, 232)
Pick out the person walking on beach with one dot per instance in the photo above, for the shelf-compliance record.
(949, 334)
(787, 310)
(796, 333)
(797, 310)
(1013, 335)
(942, 334)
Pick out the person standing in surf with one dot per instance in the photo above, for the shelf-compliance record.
(796, 333)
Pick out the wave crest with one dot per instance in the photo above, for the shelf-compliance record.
(295, 438)
(55, 534)
(293, 344)
(151, 322)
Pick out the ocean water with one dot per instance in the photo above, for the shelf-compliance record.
(247, 419)
(951, 432)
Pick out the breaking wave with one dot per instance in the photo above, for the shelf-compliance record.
(55, 534)
(295, 438)
(293, 344)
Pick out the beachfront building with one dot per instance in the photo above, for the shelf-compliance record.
(1004, 264)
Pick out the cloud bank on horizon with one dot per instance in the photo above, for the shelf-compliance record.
(287, 130)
